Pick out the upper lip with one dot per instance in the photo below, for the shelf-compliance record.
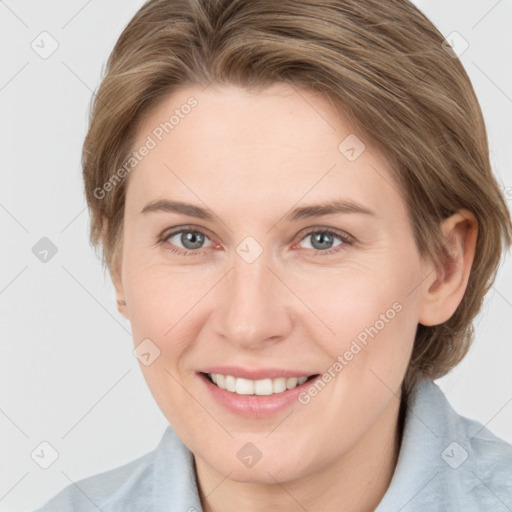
(256, 374)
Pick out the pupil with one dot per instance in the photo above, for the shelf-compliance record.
(324, 240)
(191, 240)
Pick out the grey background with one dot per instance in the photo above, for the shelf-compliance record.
(67, 373)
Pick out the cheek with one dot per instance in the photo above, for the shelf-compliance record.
(367, 318)
(162, 311)
(375, 339)
(161, 297)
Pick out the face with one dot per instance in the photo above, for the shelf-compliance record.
(290, 255)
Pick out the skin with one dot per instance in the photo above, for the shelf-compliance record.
(250, 158)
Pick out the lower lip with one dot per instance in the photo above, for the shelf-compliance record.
(254, 406)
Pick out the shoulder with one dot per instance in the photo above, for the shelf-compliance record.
(473, 447)
(146, 483)
(447, 462)
(480, 458)
(96, 491)
(474, 465)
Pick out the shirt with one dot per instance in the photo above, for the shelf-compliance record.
(446, 463)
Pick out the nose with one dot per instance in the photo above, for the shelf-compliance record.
(253, 307)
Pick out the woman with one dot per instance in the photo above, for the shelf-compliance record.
(297, 208)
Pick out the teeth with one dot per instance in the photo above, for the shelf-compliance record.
(291, 382)
(279, 385)
(244, 387)
(230, 383)
(255, 387)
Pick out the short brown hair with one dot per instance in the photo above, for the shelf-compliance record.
(383, 64)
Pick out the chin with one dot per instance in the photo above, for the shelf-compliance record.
(268, 469)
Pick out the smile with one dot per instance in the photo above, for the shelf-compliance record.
(263, 387)
(255, 392)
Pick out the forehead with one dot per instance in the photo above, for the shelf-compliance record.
(278, 144)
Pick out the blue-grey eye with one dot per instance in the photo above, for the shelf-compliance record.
(322, 240)
(189, 239)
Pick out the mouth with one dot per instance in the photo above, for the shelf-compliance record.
(255, 392)
(261, 387)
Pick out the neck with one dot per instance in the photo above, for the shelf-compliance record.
(354, 482)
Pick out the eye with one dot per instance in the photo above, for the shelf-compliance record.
(322, 241)
(190, 241)
(186, 241)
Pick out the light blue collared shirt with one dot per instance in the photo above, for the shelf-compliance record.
(447, 463)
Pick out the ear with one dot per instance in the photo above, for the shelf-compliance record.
(117, 281)
(115, 271)
(443, 289)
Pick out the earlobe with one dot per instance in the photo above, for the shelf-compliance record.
(115, 271)
(443, 289)
(121, 307)
(118, 285)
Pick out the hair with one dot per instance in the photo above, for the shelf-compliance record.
(383, 64)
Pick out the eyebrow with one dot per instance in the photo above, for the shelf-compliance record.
(302, 212)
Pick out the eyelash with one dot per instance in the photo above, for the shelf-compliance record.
(346, 240)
